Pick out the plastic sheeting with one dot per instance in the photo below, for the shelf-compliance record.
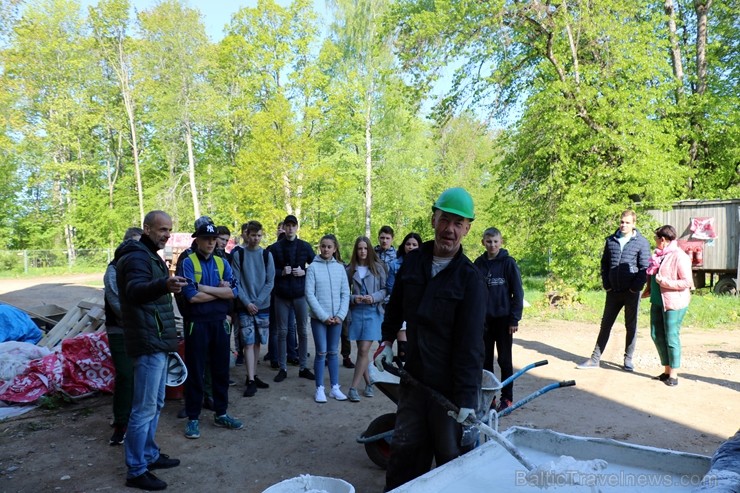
(16, 325)
(83, 365)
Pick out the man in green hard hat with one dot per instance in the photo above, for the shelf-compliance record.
(442, 298)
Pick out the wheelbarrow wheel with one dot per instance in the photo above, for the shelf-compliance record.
(379, 451)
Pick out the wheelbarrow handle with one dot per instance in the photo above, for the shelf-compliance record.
(567, 383)
(522, 372)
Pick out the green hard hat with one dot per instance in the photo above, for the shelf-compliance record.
(456, 201)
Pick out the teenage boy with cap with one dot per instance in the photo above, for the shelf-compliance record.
(210, 288)
(291, 256)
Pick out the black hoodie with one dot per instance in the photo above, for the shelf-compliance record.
(504, 285)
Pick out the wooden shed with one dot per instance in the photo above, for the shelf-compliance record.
(709, 231)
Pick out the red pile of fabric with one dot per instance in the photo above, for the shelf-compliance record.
(82, 366)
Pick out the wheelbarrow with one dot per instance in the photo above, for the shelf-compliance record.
(377, 437)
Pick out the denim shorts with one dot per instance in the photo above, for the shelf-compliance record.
(255, 328)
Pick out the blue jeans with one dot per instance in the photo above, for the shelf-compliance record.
(326, 340)
(282, 314)
(139, 447)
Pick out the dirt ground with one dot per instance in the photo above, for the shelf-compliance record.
(287, 434)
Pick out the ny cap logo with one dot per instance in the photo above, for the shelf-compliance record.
(210, 228)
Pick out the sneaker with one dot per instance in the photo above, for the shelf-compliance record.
(320, 395)
(182, 413)
(589, 364)
(347, 362)
(671, 382)
(251, 389)
(260, 384)
(232, 382)
(352, 395)
(307, 374)
(369, 392)
(337, 393)
(119, 433)
(628, 365)
(294, 361)
(503, 404)
(281, 375)
(274, 365)
(163, 462)
(239, 360)
(192, 430)
(146, 481)
(227, 421)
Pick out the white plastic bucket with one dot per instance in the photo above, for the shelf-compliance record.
(313, 484)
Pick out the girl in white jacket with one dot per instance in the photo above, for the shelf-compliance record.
(327, 294)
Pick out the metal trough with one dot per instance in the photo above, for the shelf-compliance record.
(630, 468)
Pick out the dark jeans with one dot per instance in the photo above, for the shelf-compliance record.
(346, 345)
(497, 335)
(272, 342)
(124, 391)
(207, 343)
(423, 432)
(615, 301)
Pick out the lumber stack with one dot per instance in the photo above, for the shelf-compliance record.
(87, 316)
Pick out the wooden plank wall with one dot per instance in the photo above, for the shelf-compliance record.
(722, 253)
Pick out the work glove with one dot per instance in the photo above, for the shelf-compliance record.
(464, 413)
(384, 352)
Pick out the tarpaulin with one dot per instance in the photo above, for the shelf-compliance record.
(82, 365)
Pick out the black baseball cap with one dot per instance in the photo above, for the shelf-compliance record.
(290, 218)
(205, 230)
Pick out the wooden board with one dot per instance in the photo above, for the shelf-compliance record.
(87, 316)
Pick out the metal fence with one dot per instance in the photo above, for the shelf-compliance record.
(28, 261)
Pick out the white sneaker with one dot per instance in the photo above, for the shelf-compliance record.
(320, 394)
(337, 394)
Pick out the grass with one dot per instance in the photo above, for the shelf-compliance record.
(706, 311)
(49, 271)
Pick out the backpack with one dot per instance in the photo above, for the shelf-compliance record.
(182, 302)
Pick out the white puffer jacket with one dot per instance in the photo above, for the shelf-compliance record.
(327, 289)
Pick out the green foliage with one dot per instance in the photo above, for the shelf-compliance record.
(53, 402)
(555, 117)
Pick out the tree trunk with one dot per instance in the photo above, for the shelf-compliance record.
(368, 165)
(191, 170)
(128, 103)
(702, 9)
(670, 11)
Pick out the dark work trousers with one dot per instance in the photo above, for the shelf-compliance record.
(124, 390)
(207, 343)
(615, 301)
(423, 432)
(345, 344)
(497, 335)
